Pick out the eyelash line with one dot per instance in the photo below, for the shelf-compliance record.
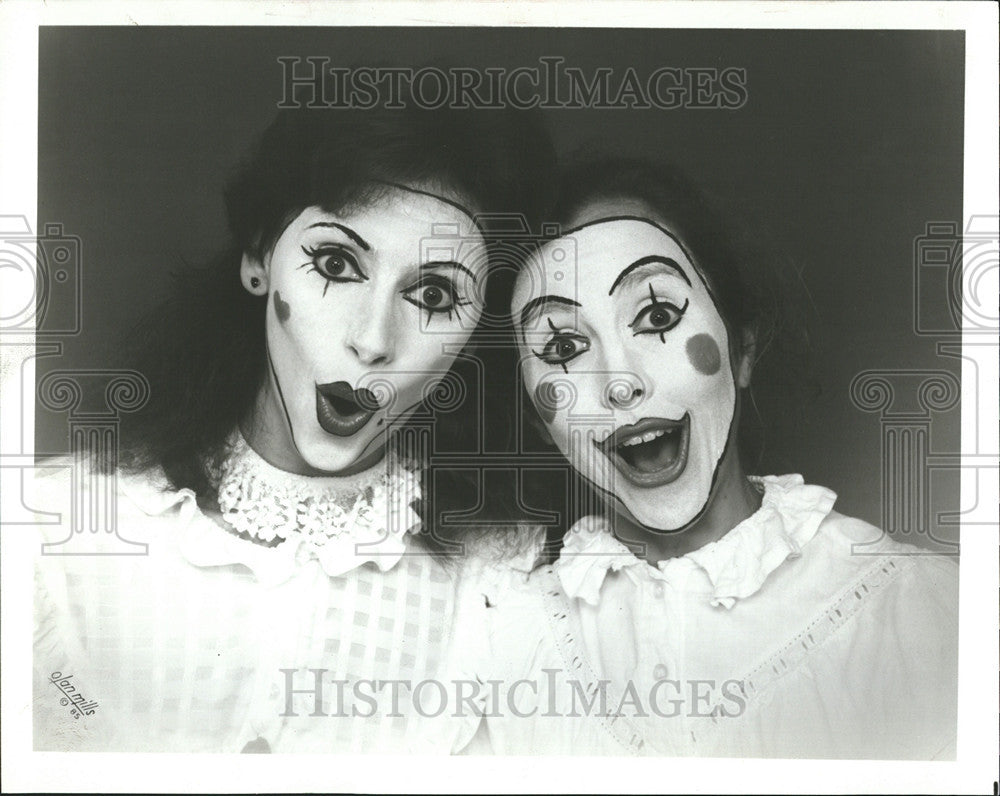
(540, 354)
(431, 281)
(316, 251)
(654, 302)
(314, 269)
(432, 312)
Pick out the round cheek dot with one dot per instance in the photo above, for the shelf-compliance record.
(703, 352)
(281, 308)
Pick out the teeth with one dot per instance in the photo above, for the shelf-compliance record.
(649, 436)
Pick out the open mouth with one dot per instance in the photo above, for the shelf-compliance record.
(652, 452)
(341, 410)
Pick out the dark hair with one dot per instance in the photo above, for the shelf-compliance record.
(755, 290)
(343, 158)
(742, 281)
(203, 348)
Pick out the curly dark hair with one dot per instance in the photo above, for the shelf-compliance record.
(203, 348)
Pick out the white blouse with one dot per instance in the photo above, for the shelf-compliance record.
(210, 642)
(801, 633)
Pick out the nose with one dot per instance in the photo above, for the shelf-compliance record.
(625, 385)
(623, 391)
(372, 336)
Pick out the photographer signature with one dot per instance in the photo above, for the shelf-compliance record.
(79, 705)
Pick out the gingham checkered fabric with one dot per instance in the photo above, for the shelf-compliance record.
(180, 657)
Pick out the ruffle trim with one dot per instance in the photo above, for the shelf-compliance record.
(375, 529)
(736, 565)
(589, 552)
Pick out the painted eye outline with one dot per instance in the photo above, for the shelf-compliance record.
(649, 309)
(558, 335)
(317, 255)
(442, 283)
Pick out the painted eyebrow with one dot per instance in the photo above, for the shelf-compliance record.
(448, 264)
(652, 258)
(346, 230)
(542, 300)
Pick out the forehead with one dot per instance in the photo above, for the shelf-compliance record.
(402, 213)
(416, 207)
(606, 207)
(597, 252)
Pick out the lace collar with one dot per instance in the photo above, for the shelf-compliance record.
(736, 565)
(276, 520)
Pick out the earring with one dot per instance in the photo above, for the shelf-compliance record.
(254, 281)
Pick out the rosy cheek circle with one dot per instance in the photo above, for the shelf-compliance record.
(281, 308)
(703, 352)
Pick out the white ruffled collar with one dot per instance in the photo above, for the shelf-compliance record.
(277, 520)
(736, 565)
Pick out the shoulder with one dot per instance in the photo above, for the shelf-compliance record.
(500, 602)
(877, 622)
(854, 579)
(864, 547)
(906, 595)
(148, 489)
(73, 501)
(497, 562)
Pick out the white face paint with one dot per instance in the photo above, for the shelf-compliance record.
(626, 359)
(366, 312)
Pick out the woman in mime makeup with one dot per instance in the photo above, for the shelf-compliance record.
(700, 610)
(289, 564)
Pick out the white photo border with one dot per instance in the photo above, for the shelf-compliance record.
(974, 771)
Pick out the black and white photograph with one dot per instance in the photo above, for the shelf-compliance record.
(474, 395)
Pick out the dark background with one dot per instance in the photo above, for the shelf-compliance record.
(849, 143)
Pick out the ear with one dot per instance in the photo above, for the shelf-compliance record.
(745, 358)
(253, 275)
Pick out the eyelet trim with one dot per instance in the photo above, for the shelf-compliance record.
(818, 632)
(566, 631)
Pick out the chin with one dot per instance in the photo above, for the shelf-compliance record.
(656, 519)
(667, 509)
(330, 455)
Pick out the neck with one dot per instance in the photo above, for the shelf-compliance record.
(731, 502)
